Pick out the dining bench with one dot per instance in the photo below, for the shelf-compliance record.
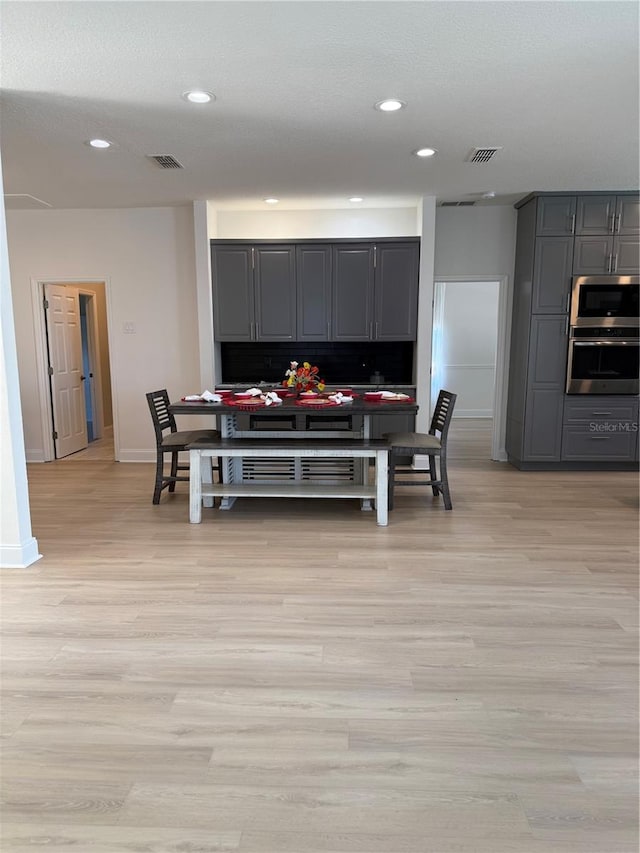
(297, 447)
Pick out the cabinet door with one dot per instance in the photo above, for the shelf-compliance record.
(595, 214)
(232, 282)
(592, 255)
(313, 287)
(626, 255)
(352, 292)
(552, 275)
(627, 215)
(556, 216)
(275, 293)
(545, 380)
(396, 292)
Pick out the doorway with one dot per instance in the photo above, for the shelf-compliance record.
(467, 357)
(77, 390)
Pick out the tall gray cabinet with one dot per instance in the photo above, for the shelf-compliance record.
(552, 245)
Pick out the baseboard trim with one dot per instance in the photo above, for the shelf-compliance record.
(19, 556)
(34, 456)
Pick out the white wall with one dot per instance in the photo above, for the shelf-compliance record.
(146, 258)
(310, 224)
(475, 241)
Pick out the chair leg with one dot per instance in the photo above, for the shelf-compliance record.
(159, 473)
(433, 474)
(391, 481)
(174, 471)
(445, 483)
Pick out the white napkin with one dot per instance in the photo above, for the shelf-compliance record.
(339, 397)
(391, 395)
(210, 398)
(255, 392)
(270, 398)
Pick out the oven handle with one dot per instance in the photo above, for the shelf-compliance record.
(599, 343)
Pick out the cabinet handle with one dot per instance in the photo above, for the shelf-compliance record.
(618, 217)
(601, 413)
(612, 224)
(573, 224)
(609, 263)
(376, 330)
(614, 266)
(600, 437)
(568, 302)
(371, 330)
(328, 330)
(251, 332)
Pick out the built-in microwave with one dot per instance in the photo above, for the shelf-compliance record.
(605, 300)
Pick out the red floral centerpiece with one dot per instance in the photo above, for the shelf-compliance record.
(303, 378)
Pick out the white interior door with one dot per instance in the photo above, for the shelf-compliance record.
(62, 308)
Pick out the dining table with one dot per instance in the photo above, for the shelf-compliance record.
(234, 416)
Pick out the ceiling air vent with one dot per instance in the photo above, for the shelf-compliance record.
(457, 203)
(166, 161)
(483, 155)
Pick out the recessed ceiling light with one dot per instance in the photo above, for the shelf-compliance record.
(99, 143)
(425, 152)
(272, 200)
(356, 198)
(197, 96)
(390, 105)
(489, 195)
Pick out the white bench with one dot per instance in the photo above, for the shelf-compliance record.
(201, 485)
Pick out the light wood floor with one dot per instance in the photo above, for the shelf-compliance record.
(289, 677)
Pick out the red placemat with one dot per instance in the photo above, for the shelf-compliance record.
(316, 402)
(246, 403)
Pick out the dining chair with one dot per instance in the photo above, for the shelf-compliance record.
(431, 444)
(169, 439)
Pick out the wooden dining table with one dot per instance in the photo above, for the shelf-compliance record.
(234, 424)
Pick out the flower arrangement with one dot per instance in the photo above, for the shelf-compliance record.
(303, 378)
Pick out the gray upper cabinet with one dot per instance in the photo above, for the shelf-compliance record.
(556, 216)
(608, 214)
(396, 292)
(608, 255)
(595, 214)
(233, 307)
(274, 289)
(253, 292)
(313, 289)
(553, 258)
(627, 215)
(352, 275)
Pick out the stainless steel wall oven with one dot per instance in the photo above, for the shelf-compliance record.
(603, 360)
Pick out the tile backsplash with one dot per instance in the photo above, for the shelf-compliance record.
(339, 361)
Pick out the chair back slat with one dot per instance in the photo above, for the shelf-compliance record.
(443, 413)
(160, 415)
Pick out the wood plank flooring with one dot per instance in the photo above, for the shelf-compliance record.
(287, 677)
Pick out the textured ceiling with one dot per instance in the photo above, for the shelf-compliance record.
(554, 83)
